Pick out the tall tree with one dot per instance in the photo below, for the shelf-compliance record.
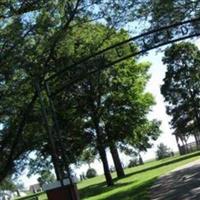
(109, 112)
(115, 103)
(126, 110)
(38, 39)
(30, 34)
(181, 89)
(91, 39)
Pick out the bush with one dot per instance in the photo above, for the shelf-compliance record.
(163, 151)
(133, 163)
(91, 173)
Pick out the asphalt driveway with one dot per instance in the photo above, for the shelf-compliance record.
(180, 184)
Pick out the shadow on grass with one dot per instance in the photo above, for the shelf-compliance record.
(139, 192)
(99, 188)
(181, 158)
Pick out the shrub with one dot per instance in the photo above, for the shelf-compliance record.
(91, 173)
(133, 163)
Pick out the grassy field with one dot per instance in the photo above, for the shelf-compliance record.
(136, 183)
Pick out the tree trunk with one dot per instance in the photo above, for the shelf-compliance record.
(89, 165)
(179, 147)
(141, 162)
(196, 136)
(57, 171)
(117, 162)
(104, 160)
(196, 140)
(18, 193)
(186, 145)
(102, 152)
(196, 112)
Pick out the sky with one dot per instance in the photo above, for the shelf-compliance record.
(158, 112)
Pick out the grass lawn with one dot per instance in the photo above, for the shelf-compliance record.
(136, 183)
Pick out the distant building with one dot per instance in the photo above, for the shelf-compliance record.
(35, 188)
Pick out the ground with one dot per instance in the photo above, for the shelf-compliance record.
(137, 183)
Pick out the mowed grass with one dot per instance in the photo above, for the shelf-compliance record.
(136, 184)
(41, 196)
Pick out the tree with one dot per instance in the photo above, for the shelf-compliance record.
(162, 151)
(127, 110)
(181, 89)
(109, 110)
(46, 177)
(73, 135)
(161, 13)
(31, 34)
(141, 138)
(46, 40)
(84, 97)
(115, 103)
(167, 12)
(88, 156)
(95, 42)
(8, 184)
(11, 184)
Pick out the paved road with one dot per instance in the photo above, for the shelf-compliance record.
(180, 184)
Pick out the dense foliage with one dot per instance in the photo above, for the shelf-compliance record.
(91, 173)
(166, 12)
(38, 39)
(162, 151)
(46, 177)
(33, 46)
(181, 89)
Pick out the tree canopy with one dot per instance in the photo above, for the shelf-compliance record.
(167, 12)
(38, 39)
(181, 88)
(32, 36)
